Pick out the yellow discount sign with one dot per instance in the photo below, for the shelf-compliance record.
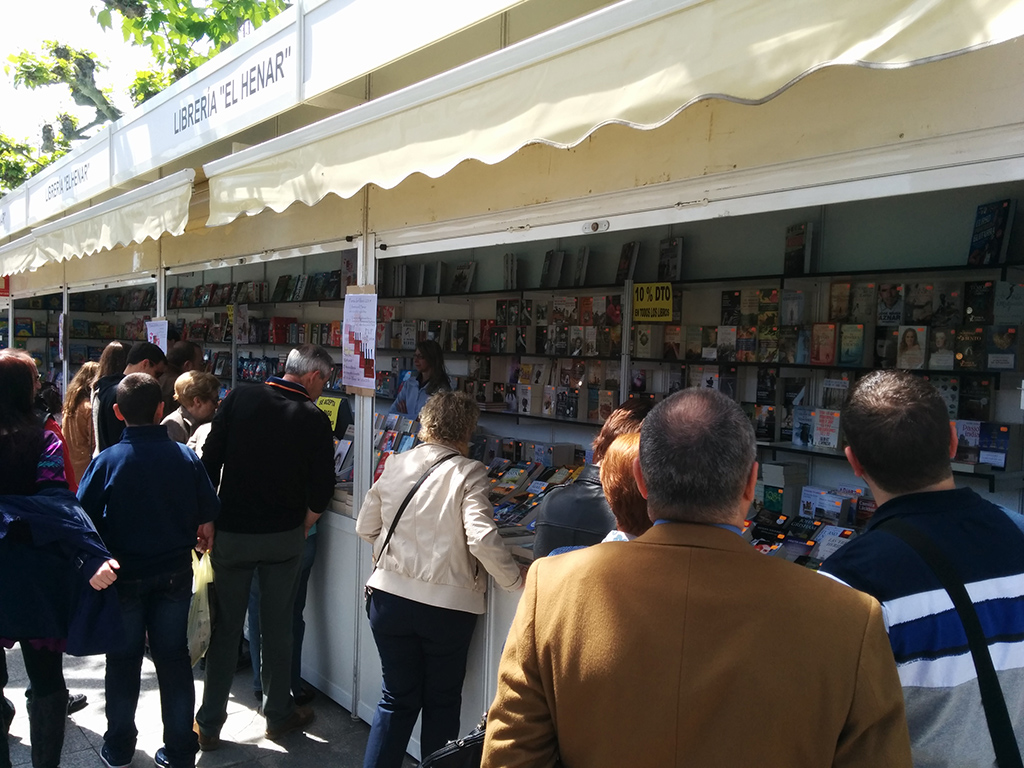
(330, 406)
(652, 303)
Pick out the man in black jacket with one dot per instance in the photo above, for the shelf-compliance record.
(276, 450)
(143, 357)
(578, 514)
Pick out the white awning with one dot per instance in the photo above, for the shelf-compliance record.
(637, 63)
(147, 212)
(20, 255)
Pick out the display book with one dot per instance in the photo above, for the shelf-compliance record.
(800, 522)
(140, 299)
(257, 368)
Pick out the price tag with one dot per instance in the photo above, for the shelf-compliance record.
(652, 303)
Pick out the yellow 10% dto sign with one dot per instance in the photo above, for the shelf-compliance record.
(652, 303)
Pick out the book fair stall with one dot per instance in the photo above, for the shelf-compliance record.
(847, 205)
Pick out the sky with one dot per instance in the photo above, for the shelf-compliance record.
(26, 26)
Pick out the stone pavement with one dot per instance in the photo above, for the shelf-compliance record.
(334, 740)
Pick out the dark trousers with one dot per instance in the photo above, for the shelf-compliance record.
(423, 651)
(157, 606)
(236, 557)
(48, 713)
(298, 623)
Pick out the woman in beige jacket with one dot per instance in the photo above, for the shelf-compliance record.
(429, 583)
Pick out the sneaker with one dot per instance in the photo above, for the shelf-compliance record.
(207, 743)
(296, 721)
(113, 762)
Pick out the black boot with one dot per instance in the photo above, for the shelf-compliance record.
(46, 720)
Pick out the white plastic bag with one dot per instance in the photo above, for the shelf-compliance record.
(199, 617)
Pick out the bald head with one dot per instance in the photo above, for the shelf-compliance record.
(697, 449)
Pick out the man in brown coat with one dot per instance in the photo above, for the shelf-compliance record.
(688, 647)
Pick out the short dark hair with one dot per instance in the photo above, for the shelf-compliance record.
(182, 352)
(897, 425)
(144, 350)
(138, 396)
(697, 448)
(625, 419)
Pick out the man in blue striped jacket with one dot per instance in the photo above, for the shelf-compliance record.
(900, 442)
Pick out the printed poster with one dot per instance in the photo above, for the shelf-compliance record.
(156, 333)
(359, 339)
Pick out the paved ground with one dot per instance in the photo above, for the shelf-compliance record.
(334, 740)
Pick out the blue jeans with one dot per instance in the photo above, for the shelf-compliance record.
(423, 651)
(156, 606)
(298, 623)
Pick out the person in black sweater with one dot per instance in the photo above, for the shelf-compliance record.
(143, 357)
(272, 451)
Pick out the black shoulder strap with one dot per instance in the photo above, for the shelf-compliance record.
(408, 498)
(999, 724)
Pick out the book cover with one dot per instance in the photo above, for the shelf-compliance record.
(823, 343)
(730, 308)
(918, 303)
(746, 344)
(670, 259)
(990, 235)
(612, 374)
(979, 296)
(672, 343)
(750, 306)
(561, 339)
(887, 340)
(692, 337)
(804, 417)
(727, 337)
(279, 288)
(709, 343)
(627, 262)
(579, 278)
(791, 307)
(949, 388)
(834, 389)
(789, 337)
(595, 374)
(826, 428)
(1001, 347)
(863, 303)
(576, 340)
(607, 401)
(501, 312)
(839, 302)
(948, 304)
(564, 310)
(585, 308)
(1008, 303)
(767, 350)
(890, 304)
(977, 396)
(764, 422)
(462, 280)
(968, 434)
(767, 385)
(852, 346)
(728, 381)
(970, 348)
(590, 341)
(796, 258)
(941, 352)
(994, 444)
(910, 355)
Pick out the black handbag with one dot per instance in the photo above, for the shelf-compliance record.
(368, 590)
(466, 752)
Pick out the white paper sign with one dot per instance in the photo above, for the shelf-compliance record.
(359, 340)
(156, 333)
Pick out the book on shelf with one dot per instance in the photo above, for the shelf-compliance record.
(947, 304)
(672, 343)
(750, 306)
(1008, 303)
(764, 422)
(627, 262)
(911, 352)
(462, 279)
(579, 276)
(948, 388)
(709, 343)
(887, 340)
(941, 352)
(726, 343)
(791, 307)
(863, 303)
(834, 388)
(804, 418)
(564, 310)
(823, 343)
(970, 348)
(990, 236)
(996, 442)
(576, 340)
(831, 540)
(551, 270)
(796, 258)
(826, 428)
(670, 259)
(510, 271)
(968, 432)
(979, 297)
(766, 391)
(839, 302)
(976, 397)
(1001, 347)
(918, 303)
(590, 348)
(889, 309)
(730, 308)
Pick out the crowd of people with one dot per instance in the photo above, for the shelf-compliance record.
(648, 633)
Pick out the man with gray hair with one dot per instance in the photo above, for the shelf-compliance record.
(272, 451)
(686, 646)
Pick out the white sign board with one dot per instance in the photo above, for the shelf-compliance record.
(13, 212)
(68, 183)
(156, 333)
(359, 340)
(257, 85)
